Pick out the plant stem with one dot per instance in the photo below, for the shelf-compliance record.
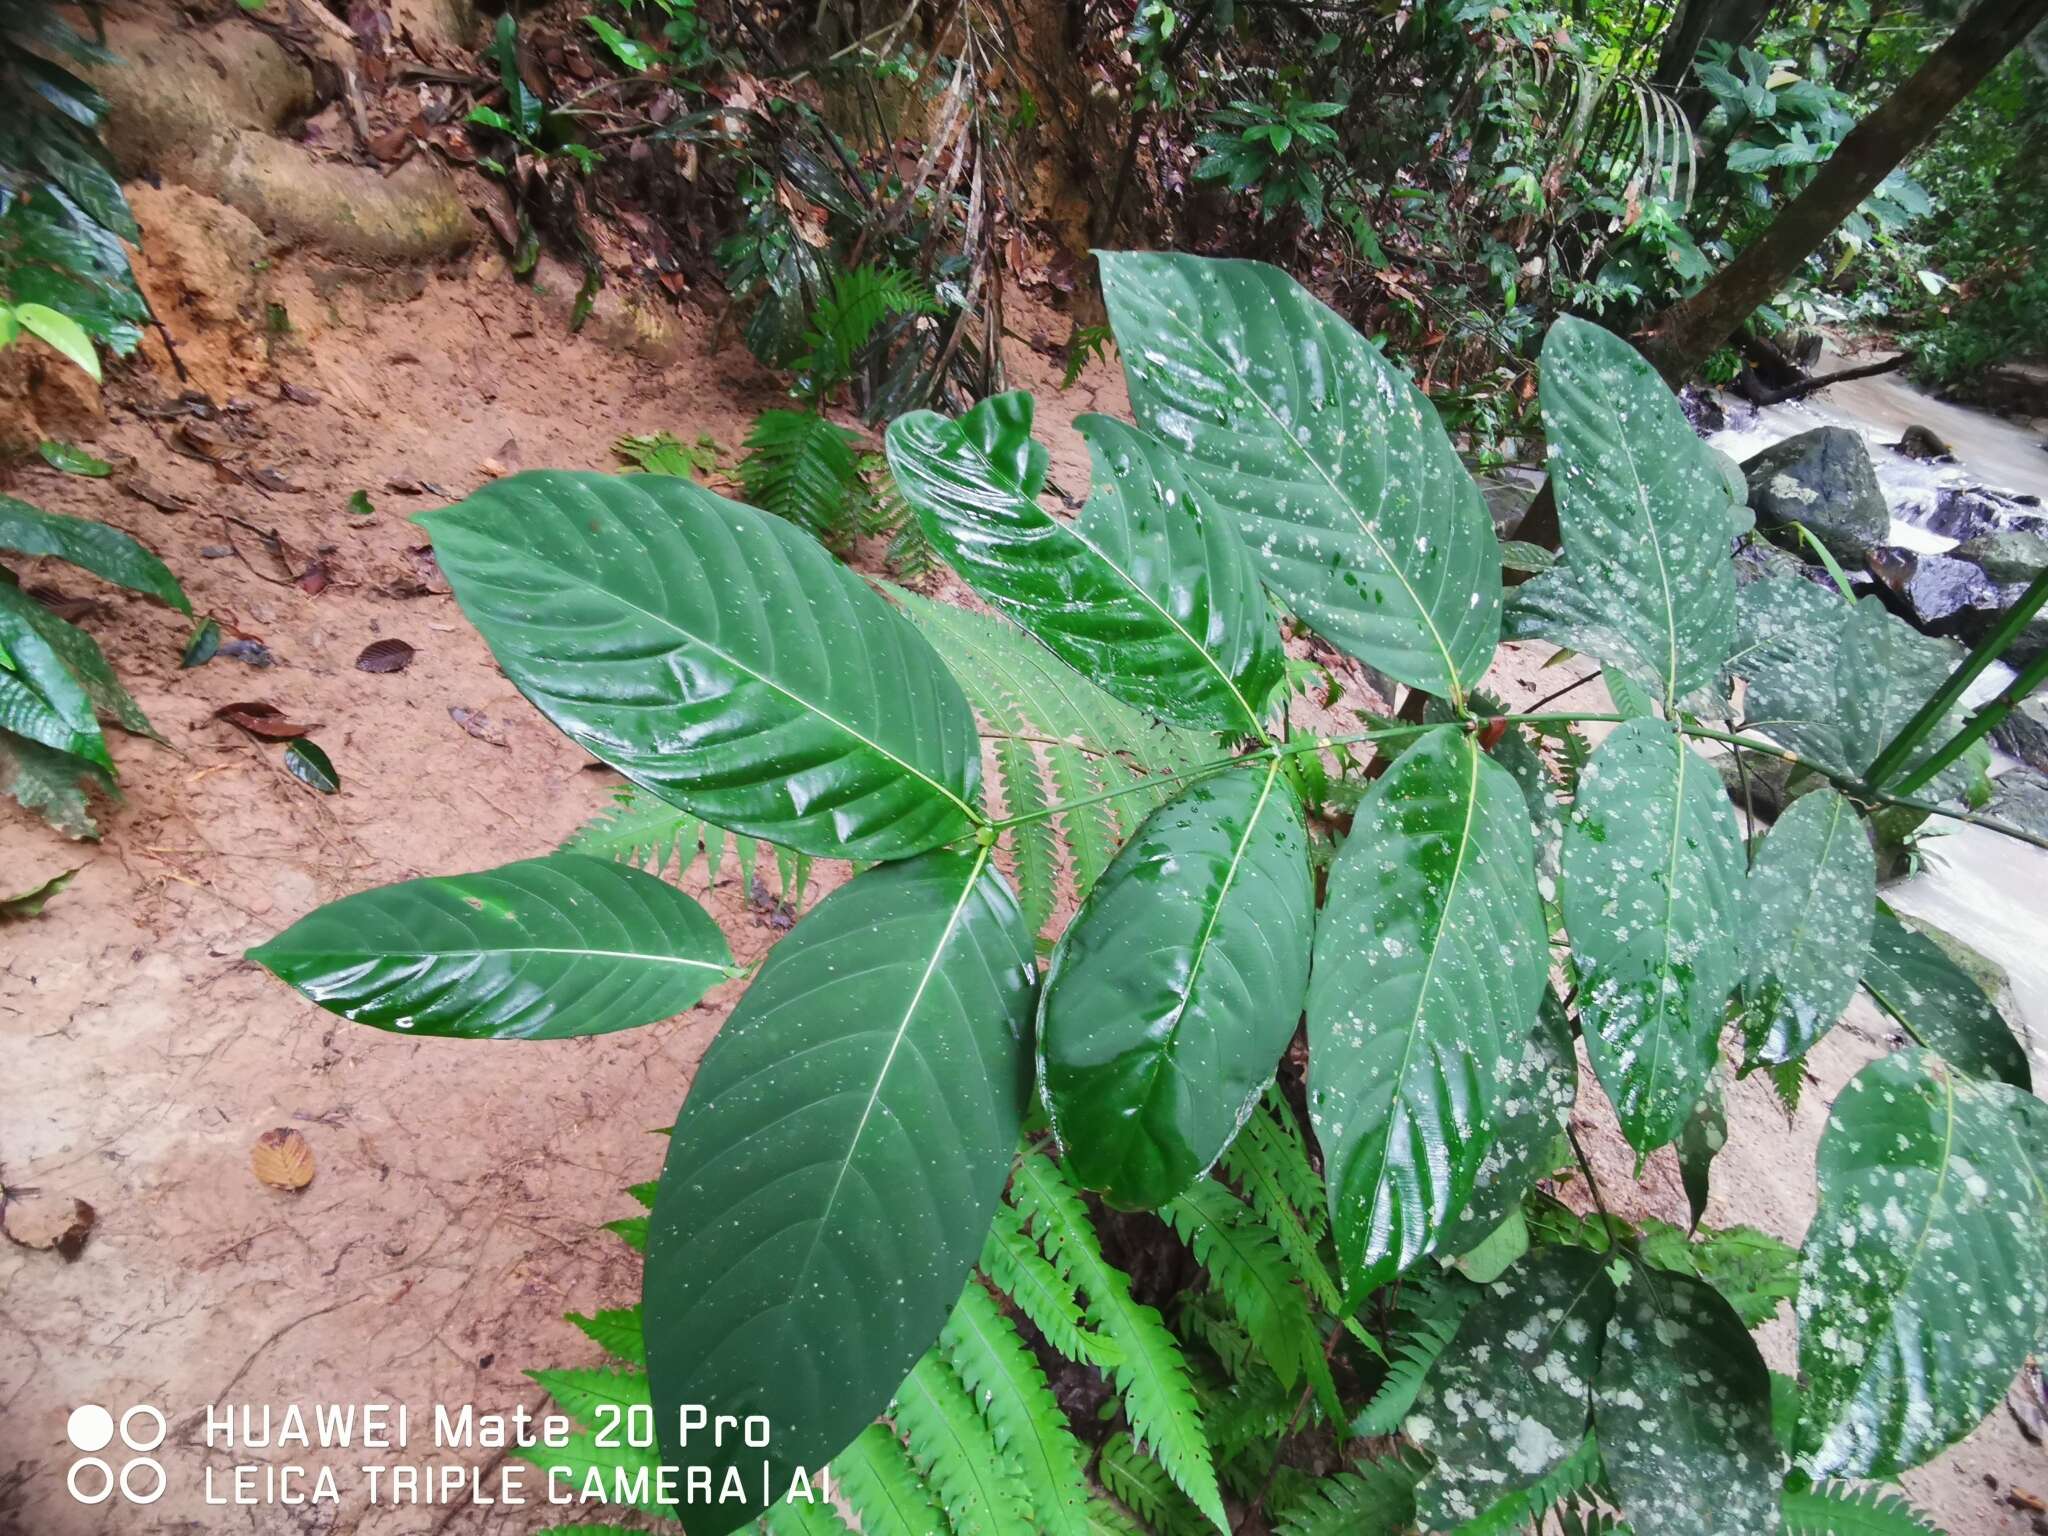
(1994, 645)
(1984, 720)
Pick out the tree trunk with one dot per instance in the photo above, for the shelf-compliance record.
(1704, 21)
(1682, 338)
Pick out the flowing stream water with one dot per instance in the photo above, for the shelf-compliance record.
(1987, 890)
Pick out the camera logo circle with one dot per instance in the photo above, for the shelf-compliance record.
(92, 1479)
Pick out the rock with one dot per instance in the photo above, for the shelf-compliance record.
(1823, 479)
(2020, 796)
(1935, 593)
(2024, 732)
(2012, 389)
(1769, 788)
(2015, 558)
(1756, 559)
(1960, 514)
(1703, 409)
(1920, 442)
(1507, 494)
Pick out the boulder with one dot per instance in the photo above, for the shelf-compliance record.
(2007, 557)
(1920, 442)
(2020, 796)
(1703, 409)
(2024, 733)
(1936, 594)
(1822, 479)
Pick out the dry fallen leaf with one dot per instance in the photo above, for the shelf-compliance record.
(282, 1158)
(478, 724)
(385, 656)
(265, 721)
(48, 1221)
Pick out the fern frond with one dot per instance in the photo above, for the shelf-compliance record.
(846, 319)
(620, 1474)
(911, 553)
(1842, 1509)
(642, 829)
(1017, 1268)
(1248, 1268)
(1043, 721)
(884, 1489)
(630, 1230)
(617, 1331)
(1158, 1393)
(581, 1393)
(1560, 1490)
(801, 468)
(977, 1483)
(1378, 1499)
(796, 1518)
(1142, 1486)
(1253, 1409)
(1105, 1519)
(1015, 1398)
(663, 453)
(1204, 1319)
(1269, 1163)
(1431, 1310)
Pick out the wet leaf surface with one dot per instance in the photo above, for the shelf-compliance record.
(312, 767)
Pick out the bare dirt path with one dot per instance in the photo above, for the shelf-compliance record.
(452, 1220)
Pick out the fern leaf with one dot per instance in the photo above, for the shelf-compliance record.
(1376, 1500)
(616, 1331)
(796, 1518)
(611, 1474)
(1015, 1398)
(801, 468)
(884, 1489)
(1250, 1271)
(631, 1230)
(1840, 1509)
(846, 319)
(1558, 1490)
(582, 1393)
(976, 1482)
(1432, 1309)
(1142, 1486)
(1017, 1268)
(1158, 1393)
(642, 830)
(1105, 1519)
(1270, 1165)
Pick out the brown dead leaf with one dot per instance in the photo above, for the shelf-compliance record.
(202, 441)
(162, 500)
(42, 1221)
(282, 1158)
(272, 479)
(478, 724)
(313, 579)
(264, 721)
(385, 656)
(298, 394)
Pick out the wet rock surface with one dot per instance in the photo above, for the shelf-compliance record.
(1821, 479)
(1936, 593)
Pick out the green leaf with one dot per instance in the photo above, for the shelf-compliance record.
(1248, 1269)
(583, 1393)
(717, 656)
(1652, 890)
(1343, 484)
(1159, 1394)
(1922, 1290)
(73, 460)
(1430, 955)
(1498, 1251)
(1539, 1082)
(1147, 594)
(79, 655)
(884, 1489)
(1431, 1308)
(543, 949)
(106, 552)
(800, 467)
(1512, 1395)
(1012, 1259)
(616, 1331)
(1837, 1509)
(61, 332)
(1377, 1499)
(1682, 1405)
(1647, 584)
(309, 763)
(1807, 925)
(1835, 682)
(978, 1485)
(999, 1368)
(1940, 1004)
(872, 1083)
(47, 782)
(203, 645)
(40, 698)
(31, 903)
(1172, 994)
(1700, 1141)
(634, 56)
(1142, 1485)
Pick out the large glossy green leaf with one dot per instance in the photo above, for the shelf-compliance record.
(105, 551)
(718, 656)
(1144, 594)
(1835, 681)
(40, 698)
(1941, 1006)
(1922, 1289)
(1430, 957)
(1539, 1082)
(1646, 584)
(1652, 901)
(1806, 925)
(80, 656)
(1356, 509)
(1175, 989)
(1682, 1407)
(538, 950)
(1512, 1394)
(836, 1165)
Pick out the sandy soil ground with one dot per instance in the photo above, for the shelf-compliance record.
(452, 1220)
